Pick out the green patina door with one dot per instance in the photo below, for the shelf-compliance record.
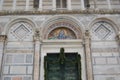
(62, 66)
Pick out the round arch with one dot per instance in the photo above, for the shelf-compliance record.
(62, 21)
(17, 20)
(103, 29)
(112, 23)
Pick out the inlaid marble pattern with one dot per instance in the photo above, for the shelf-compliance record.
(102, 31)
(20, 31)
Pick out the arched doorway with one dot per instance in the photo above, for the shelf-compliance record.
(62, 33)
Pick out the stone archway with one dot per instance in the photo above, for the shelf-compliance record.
(62, 21)
(71, 45)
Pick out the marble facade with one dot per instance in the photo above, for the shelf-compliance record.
(24, 43)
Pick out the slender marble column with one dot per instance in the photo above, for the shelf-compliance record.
(14, 5)
(69, 5)
(27, 5)
(37, 46)
(54, 4)
(82, 5)
(109, 4)
(88, 56)
(1, 4)
(40, 5)
(2, 46)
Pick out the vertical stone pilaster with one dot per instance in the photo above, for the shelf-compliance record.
(27, 5)
(54, 4)
(37, 44)
(2, 45)
(41, 5)
(69, 5)
(14, 5)
(88, 57)
(82, 4)
(109, 4)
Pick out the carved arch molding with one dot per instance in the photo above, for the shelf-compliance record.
(70, 31)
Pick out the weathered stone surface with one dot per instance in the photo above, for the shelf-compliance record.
(18, 70)
(106, 69)
(6, 70)
(101, 60)
(29, 70)
(107, 77)
(96, 54)
(112, 60)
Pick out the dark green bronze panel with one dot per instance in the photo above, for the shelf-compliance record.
(62, 66)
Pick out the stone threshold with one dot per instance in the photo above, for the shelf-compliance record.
(48, 12)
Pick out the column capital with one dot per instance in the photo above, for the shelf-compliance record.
(87, 34)
(37, 36)
(3, 38)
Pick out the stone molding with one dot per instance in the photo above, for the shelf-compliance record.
(3, 38)
(104, 50)
(89, 70)
(87, 11)
(77, 31)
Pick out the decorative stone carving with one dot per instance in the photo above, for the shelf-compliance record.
(87, 11)
(3, 38)
(20, 31)
(37, 36)
(102, 30)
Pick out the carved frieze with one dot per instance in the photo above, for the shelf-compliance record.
(87, 11)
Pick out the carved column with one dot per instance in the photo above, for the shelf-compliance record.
(2, 46)
(37, 45)
(88, 56)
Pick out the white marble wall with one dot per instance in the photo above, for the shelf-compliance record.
(19, 51)
(105, 56)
